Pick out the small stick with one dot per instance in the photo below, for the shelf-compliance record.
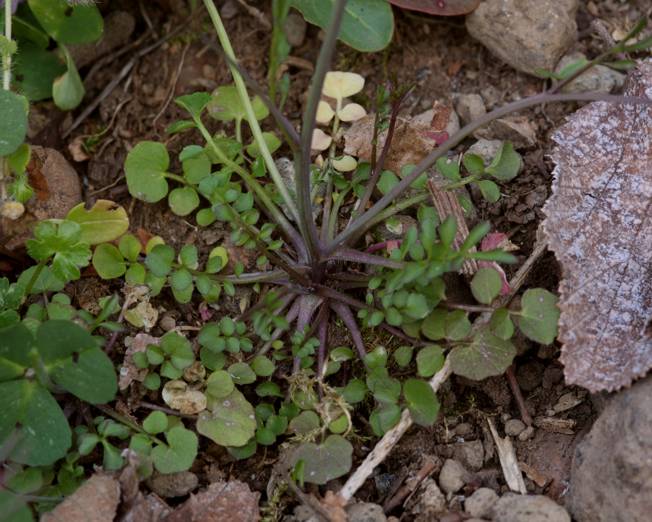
(516, 392)
(387, 443)
(410, 485)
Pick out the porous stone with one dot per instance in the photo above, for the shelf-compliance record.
(611, 475)
(173, 484)
(528, 508)
(366, 512)
(481, 503)
(486, 149)
(470, 454)
(598, 78)
(469, 107)
(428, 502)
(514, 427)
(527, 34)
(453, 476)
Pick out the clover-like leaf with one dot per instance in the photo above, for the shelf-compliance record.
(539, 315)
(89, 374)
(489, 190)
(486, 285)
(159, 260)
(105, 221)
(384, 418)
(155, 422)
(61, 242)
(179, 453)
(326, 461)
(421, 401)
(145, 169)
(486, 355)
(31, 418)
(229, 421)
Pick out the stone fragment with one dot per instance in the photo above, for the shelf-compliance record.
(527, 34)
(530, 508)
(598, 78)
(481, 503)
(453, 476)
(611, 475)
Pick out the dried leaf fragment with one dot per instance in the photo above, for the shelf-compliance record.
(599, 224)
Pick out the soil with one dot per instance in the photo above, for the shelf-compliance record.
(436, 56)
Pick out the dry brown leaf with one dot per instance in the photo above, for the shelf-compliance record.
(231, 501)
(128, 371)
(599, 226)
(96, 500)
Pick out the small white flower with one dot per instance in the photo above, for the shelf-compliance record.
(339, 85)
(320, 140)
(351, 112)
(324, 113)
(345, 163)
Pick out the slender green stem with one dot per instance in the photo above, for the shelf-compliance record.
(332, 221)
(176, 177)
(462, 182)
(249, 110)
(355, 227)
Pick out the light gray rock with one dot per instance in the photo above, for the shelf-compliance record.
(514, 427)
(611, 477)
(598, 78)
(527, 34)
(470, 454)
(173, 484)
(469, 107)
(366, 512)
(517, 130)
(486, 149)
(528, 508)
(453, 476)
(481, 503)
(428, 502)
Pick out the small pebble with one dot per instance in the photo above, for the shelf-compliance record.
(295, 29)
(514, 427)
(453, 476)
(526, 434)
(167, 323)
(463, 429)
(481, 502)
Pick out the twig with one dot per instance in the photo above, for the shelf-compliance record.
(173, 84)
(508, 461)
(516, 391)
(387, 443)
(410, 485)
(169, 411)
(257, 14)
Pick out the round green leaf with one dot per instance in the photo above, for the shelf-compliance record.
(430, 360)
(325, 461)
(155, 422)
(403, 356)
(13, 123)
(367, 25)
(219, 384)
(68, 89)
(539, 315)
(485, 356)
(262, 366)
(183, 200)
(501, 324)
(421, 401)
(226, 105)
(159, 260)
(384, 418)
(506, 164)
(105, 221)
(489, 190)
(108, 261)
(68, 23)
(229, 421)
(44, 435)
(145, 169)
(242, 374)
(486, 285)
(179, 453)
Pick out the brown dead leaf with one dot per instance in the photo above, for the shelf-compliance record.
(231, 501)
(129, 372)
(599, 226)
(96, 500)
